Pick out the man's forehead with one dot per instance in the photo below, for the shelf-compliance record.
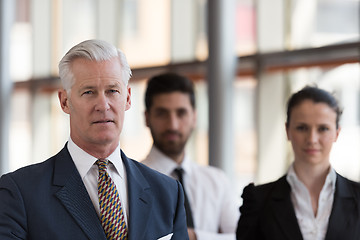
(94, 83)
(172, 99)
(84, 68)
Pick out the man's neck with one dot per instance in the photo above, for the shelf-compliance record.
(97, 150)
(178, 158)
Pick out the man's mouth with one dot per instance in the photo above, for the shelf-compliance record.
(171, 135)
(103, 121)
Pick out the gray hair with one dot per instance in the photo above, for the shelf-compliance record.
(95, 50)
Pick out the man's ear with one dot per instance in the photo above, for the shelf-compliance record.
(64, 100)
(128, 99)
(147, 118)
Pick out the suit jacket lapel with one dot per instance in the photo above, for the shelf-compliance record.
(140, 200)
(344, 215)
(284, 211)
(74, 196)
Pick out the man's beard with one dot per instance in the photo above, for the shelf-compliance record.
(169, 147)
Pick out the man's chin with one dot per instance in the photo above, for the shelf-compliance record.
(106, 140)
(173, 150)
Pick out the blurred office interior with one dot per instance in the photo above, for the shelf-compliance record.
(271, 49)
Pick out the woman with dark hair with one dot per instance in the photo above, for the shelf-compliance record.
(312, 201)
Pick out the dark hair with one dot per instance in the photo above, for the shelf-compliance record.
(316, 95)
(168, 83)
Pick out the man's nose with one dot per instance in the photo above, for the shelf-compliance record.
(102, 103)
(173, 122)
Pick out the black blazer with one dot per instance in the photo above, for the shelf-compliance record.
(49, 201)
(267, 212)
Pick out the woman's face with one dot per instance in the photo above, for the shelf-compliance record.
(312, 132)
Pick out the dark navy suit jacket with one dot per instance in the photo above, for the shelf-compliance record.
(49, 201)
(267, 212)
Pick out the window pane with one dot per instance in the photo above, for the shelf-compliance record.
(78, 22)
(245, 27)
(244, 131)
(20, 130)
(324, 22)
(145, 32)
(20, 49)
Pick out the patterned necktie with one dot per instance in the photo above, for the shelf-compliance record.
(111, 212)
(189, 219)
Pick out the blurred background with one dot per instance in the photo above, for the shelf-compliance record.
(245, 56)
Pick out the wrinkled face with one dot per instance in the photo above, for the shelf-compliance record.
(96, 103)
(171, 120)
(312, 132)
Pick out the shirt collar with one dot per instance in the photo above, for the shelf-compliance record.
(167, 165)
(84, 161)
(293, 180)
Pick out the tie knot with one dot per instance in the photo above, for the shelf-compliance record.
(179, 173)
(102, 164)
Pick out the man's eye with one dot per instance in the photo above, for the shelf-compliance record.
(160, 114)
(323, 129)
(182, 113)
(113, 91)
(301, 128)
(87, 92)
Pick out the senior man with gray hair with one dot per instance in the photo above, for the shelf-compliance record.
(91, 189)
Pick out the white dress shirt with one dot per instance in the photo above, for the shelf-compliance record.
(312, 227)
(89, 172)
(214, 207)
